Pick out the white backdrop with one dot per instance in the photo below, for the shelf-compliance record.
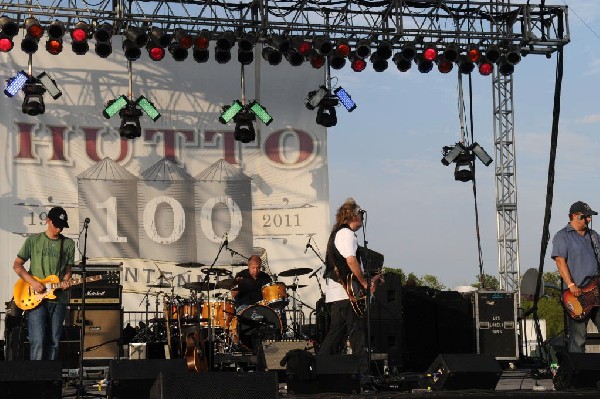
(170, 195)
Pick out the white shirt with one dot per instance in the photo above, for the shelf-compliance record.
(346, 243)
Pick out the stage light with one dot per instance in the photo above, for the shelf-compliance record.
(443, 65)
(380, 64)
(402, 63)
(345, 99)
(429, 52)
(337, 61)
(492, 53)
(137, 36)
(225, 41)
(201, 53)
(155, 51)
(323, 45)
(408, 51)
(303, 46)
(272, 56)
(179, 53)
(464, 156)
(513, 55)
(130, 122)
(280, 43)
(230, 111)
(131, 50)
(157, 42)
(222, 56)
(451, 153)
(473, 53)
(316, 59)
(103, 36)
(246, 48)
(148, 108)
(54, 44)
(384, 49)
(294, 57)
(183, 38)
(79, 36)
(363, 48)
(357, 63)
(244, 128)
(483, 156)
(6, 43)
(423, 65)
(343, 48)
(451, 52)
(326, 115)
(33, 104)
(15, 84)
(485, 66)
(50, 85)
(313, 99)
(465, 65)
(114, 106)
(261, 112)
(504, 67)
(33, 34)
(8, 26)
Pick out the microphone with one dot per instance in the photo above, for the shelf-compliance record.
(315, 272)
(86, 221)
(307, 245)
(226, 240)
(362, 211)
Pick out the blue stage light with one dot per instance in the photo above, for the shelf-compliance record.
(345, 99)
(15, 84)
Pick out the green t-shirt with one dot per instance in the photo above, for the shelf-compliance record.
(43, 254)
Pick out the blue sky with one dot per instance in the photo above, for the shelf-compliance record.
(386, 154)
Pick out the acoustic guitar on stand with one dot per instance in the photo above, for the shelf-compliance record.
(26, 298)
(578, 307)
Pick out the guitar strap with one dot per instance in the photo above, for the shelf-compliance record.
(60, 254)
(595, 247)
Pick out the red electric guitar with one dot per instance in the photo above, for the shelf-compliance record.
(580, 306)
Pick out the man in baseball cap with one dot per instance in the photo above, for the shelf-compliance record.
(581, 207)
(59, 217)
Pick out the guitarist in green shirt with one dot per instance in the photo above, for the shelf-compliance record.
(49, 253)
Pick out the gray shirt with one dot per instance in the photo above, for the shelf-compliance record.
(577, 251)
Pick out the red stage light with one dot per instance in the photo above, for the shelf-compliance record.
(474, 54)
(444, 66)
(54, 46)
(358, 65)
(6, 44)
(79, 34)
(485, 67)
(202, 42)
(156, 53)
(343, 49)
(304, 47)
(316, 60)
(35, 31)
(430, 54)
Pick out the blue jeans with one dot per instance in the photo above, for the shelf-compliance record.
(45, 326)
(578, 331)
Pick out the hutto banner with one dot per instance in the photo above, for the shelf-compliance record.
(173, 195)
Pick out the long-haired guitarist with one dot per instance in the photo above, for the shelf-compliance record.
(48, 253)
(575, 251)
(341, 260)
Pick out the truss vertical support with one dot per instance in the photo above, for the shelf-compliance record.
(506, 184)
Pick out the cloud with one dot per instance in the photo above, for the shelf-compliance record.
(593, 118)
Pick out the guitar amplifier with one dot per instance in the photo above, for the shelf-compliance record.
(104, 295)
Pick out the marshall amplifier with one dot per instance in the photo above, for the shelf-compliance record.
(97, 295)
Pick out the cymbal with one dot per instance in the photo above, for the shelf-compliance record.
(190, 264)
(159, 285)
(298, 271)
(294, 287)
(199, 286)
(215, 271)
(227, 284)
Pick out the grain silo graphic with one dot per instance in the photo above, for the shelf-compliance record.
(107, 195)
(166, 213)
(223, 205)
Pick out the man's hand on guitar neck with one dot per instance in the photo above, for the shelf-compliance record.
(375, 281)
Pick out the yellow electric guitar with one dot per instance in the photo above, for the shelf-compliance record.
(27, 299)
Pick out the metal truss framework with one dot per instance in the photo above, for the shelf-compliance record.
(538, 29)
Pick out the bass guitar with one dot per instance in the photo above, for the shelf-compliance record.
(26, 298)
(578, 307)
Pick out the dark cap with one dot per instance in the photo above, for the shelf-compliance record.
(582, 207)
(59, 217)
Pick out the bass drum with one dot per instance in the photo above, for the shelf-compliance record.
(260, 322)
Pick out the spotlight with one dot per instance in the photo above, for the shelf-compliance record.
(463, 156)
(148, 108)
(180, 53)
(326, 115)
(465, 65)
(316, 59)
(222, 56)
(180, 44)
(260, 112)
(131, 50)
(423, 65)
(444, 66)
(363, 48)
(380, 64)
(513, 55)
(8, 27)
(103, 36)
(343, 48)
(408, 51)
(504, 67)
(6, 43)
(33, 34)
(114, 106)
(244, 128)
(402, 63)
(136, 35)
(246, 48)
(323, 45)
(223, 47)
(229, 111)
(337, 61)
(384, 49)
(451, 52)
(280, 43)
(50, 85)
(357, 63)
(201, 42)
(302, 45)
(56, 31)
(294, 57)
(33, 104)
(464, 170)
(272, 56)
(79, 36)
(15, 84)
(314, 98)
(492, 53)
(485, 66)
(429, 53)
(130, 122)
(345, 99)
(473, 53)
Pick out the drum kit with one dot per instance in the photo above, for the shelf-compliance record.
(210, 311)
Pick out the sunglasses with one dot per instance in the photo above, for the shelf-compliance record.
(581, 217)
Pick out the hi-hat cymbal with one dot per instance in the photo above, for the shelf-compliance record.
(227, 283)
(190, 264)
(298, 271)
(199, 286)
(294, 287)
(215, 271)
(159, 285)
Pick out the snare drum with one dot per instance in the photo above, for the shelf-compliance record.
(274, 295)
(221, 313)
(257, 320)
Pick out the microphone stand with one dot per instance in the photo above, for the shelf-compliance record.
(321, 310)
(367, 271)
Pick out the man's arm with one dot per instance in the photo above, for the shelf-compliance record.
(356, 270)
(19, 268)
(565, 274)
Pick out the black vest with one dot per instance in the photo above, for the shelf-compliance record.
(334, 257)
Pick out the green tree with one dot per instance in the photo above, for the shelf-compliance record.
(549, 306)
(489, 282)
(431, 281)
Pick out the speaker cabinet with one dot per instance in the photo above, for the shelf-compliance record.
(102, 331)
(464, 371)
(31, 379)
(215, 385)
(577, 370)
(335, 374)
(275, 351)
(134, 378)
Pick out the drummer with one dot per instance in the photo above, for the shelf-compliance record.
(250, 282)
